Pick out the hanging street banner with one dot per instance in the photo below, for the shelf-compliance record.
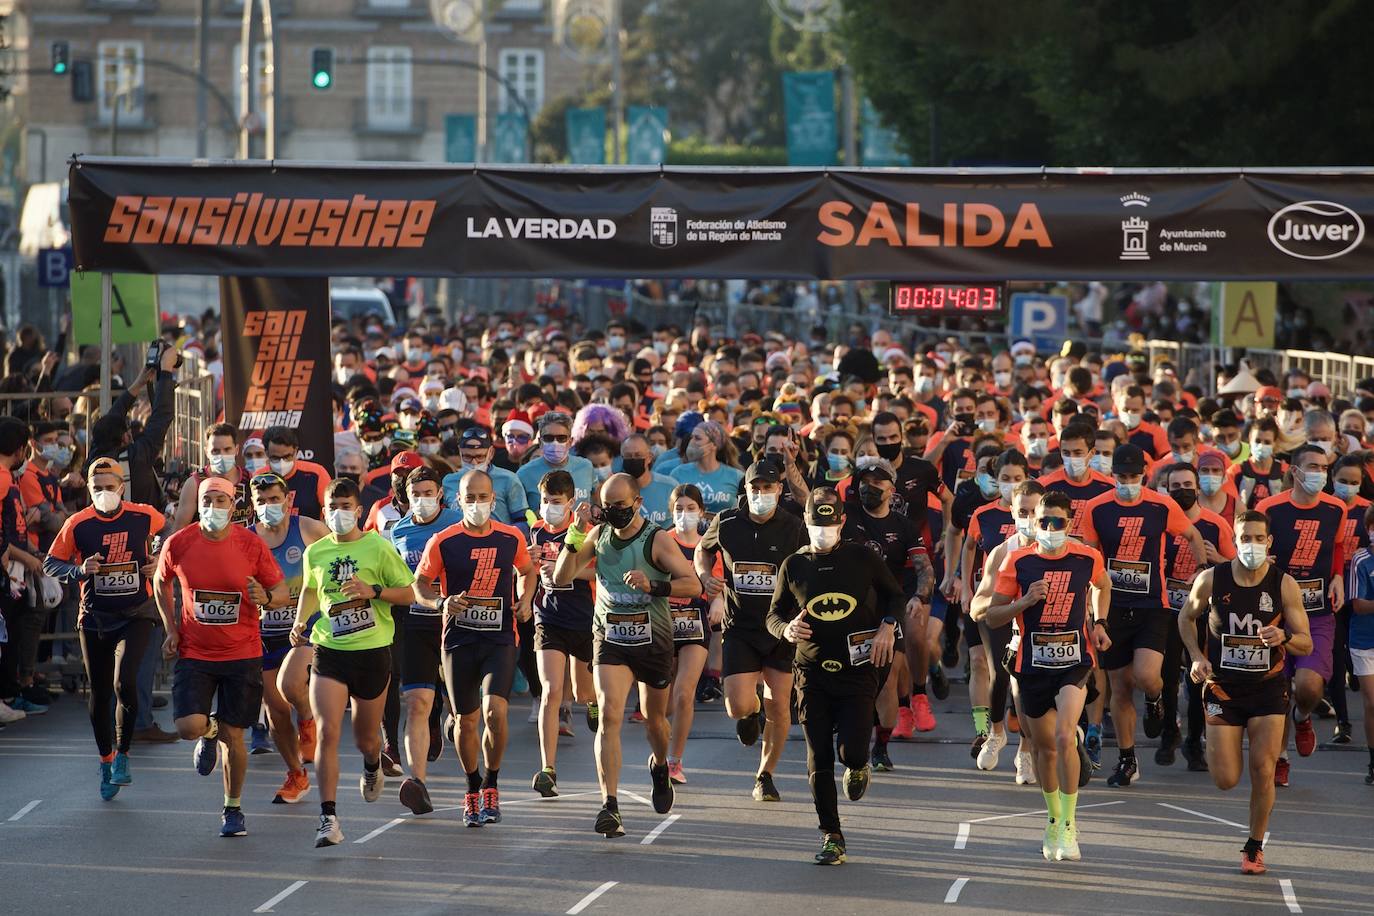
(508, 137)
(808, 101)
(880, 143)
(460, 138)
(289, 219)
(276, 359)
(586, 135)
(646, 135)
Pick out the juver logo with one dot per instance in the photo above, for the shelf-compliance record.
(1316, 230)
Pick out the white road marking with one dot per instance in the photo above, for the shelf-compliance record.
(380, 830)
(267, 907)
(26, 809)
(952, 895)
(1289, 897)
(1003, 817)
(1264, 843)
(653, 834)
(1219, 820)
(639, 798)
(962, 839)
(591, 898)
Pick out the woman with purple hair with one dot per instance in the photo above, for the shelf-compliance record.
(600, 418)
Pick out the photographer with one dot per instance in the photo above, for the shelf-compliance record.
(111, 437)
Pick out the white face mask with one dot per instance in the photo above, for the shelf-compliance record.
(1262, 451)
(424, 507)
(1075, 467)
(375, 446)
(1001, 379)
(603, 472)
(271, 514)
(553, 513)
(214, 520)
(476, 514)
(428, 449)
(1051, 540)
(105, 501)
(1026, 528)
(1004, 489)
(254, 465)
(1185, 457)
(987, 425)
(1252, 556)
(1037, 448)
(823, 537)
(1327, 447)
(925, 384)
(1131, 419)
(341, 521)
(762, 503)
(221, 464)
(686, 521)
(281, 466)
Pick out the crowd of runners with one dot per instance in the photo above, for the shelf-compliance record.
(639, 520)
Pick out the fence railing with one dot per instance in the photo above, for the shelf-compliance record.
(194, 410)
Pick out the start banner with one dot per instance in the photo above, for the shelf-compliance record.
(288, 219)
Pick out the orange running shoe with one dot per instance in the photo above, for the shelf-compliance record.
(1252, 866)
(294, 789)
(306, 729)
(906, 724)
(922, 714)
(1013, 722)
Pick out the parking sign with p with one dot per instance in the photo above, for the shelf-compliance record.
(1041, 318)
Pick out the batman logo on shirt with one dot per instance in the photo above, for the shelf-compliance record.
(831, 606)
(342, 569)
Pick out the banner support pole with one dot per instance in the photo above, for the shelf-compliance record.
(106, 339)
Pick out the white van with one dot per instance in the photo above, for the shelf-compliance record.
(351, 302)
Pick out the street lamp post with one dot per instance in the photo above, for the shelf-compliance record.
(269, 101)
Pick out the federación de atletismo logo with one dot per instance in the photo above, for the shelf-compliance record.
(662, 227)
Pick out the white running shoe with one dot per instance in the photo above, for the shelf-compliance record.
(1025, 769)
(8, 715)
(987, 755)
(371, 784)
(1068, 844)
(534, 712)
(1049, 846)
(329, 833)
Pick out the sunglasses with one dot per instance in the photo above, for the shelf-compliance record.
(550, 437)
(1052, 523)
(267, 479)
(519, 438)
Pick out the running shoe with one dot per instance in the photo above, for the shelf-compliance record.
(882, 763)
(23, 704)
(593, 717)
(662, 795)
(371, 784)
(1085, 764)
(1369, 777)
(747, 729)
(1068, 844)
(1352, 682)
(676, 774)
(108, 788)
(1092, 742)
(1281, 772)
(1197, 761)
(37, 695)
(119, 773)
(939, 681)
(415, 796)
(258, 742)
(1324, 708)
(1049, 846)
(1154, 717)
(906, 724)
(546, 783)
(709, 690)
(978, 741)
(949, 657)
(832, 850)
(992, 747)
(922, 714)
(764, 789)
(293, 789)
(635, 718)
(472, 809)
(329, 833)
(608, 823)
(534, 712)
(436, 745)
(391, 761)
(232, 823)
(1252, 862)
(1304, 737)
(1025, 769)
(1013, 721)
(1165, 753)
(855, 783)
(1342, 734)
(491, 806)
(205, 755)
(306, 729)
(565, 729)
(9, 714)
(1127, 771)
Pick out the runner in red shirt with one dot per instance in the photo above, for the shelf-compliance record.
(225, 573)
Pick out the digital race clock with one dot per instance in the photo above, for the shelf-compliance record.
(920, 298)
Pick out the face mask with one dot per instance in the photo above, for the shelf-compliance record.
(657, 450)
(1004, 489)
(1345, 491)
(661, 347)
(1313, 481)
(686, 521)
(890, 451)
(838, 463)
(432, 404)
(615, 342)
(1262, 451)
(635, 467)
(1128, 492)
(254, 465)
(762, 503)
(342, 375)
(63, 457)
(341, 521)
(1023, 360)
(105, 501)
(1210, 483)
(281, 466)
(476, 514)
(1252, 556)
(870, 497)
(1001, 379)
(50, 452)
(414, 355)
(1050, 540)
(1102, 464)
(619, 517)
(694, 453)
(424, 507)
(1327, 447)
(213, 520)
(375, 447)
(925, 385)
(987, 426)
(221, 464)
(1185, 457)
(553, 513)
(1131, 419)
(1075, 467)
(272, 514)
(986, 484)
(554, 452)
(1186, 499)
(1037, 448)
(349, 475)
(1025, 527)
(428, 449)
(1232, 449)
(1297, 392)
(823, 537)
(603, 472)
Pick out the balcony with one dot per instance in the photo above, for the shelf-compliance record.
(391, 9)
(121, 6)
(365, 123)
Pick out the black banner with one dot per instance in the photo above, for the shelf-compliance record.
(296, 219)
(276, 360)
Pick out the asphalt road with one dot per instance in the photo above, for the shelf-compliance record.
(935, 834)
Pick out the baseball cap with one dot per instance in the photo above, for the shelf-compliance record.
(768, 470)
(104, 466)
(823, 507)
(879, 466)
(406, 461)
(410, 404)
(1128, 459)
(475, 437)
(384, 353)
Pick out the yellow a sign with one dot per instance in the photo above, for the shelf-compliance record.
(1247, 314)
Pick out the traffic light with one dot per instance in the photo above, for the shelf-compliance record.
(322, 68)
(61, 57)
(83, 81)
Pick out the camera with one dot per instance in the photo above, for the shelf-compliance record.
(155, 351)
(966, 425)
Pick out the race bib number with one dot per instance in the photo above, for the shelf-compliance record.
(419, 610)
(483, 614)
(861, 645)
(348, 617)
(1313, 594)
(215, 608)
(114, 580)
(755, 578)
(688, 625)
(1130, 576)
(1178, 593)
(277, 620)
(1056, 650)
(1241, 652)
(628, 629)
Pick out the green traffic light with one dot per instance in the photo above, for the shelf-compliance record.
(322, 80)
(59, 68)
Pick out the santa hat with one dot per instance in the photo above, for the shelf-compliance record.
(517, 422)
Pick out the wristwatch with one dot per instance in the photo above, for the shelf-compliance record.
(1099, 622)
(377, 592)
(1286, 637)
(889, 619)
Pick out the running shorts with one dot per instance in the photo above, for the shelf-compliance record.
(1037, 692)
(750, 651)
(233, 688)
(1236, 704)
(650, 667)
(1135, 628)
(365, 672)
(479, 668)
(577, 643)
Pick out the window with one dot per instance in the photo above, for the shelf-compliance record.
(259, 77)
(119, 77)
(522, 68)
(389, 4)
(522, 6)
(388, 86)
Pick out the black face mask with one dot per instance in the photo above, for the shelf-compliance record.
(619, 517)
(634, 466)
(870, 497)
(356, 478)
(1186, 499)
(889, 451)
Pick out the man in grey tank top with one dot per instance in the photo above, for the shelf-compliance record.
(638, 568)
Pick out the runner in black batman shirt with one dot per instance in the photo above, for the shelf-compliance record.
(838, 603)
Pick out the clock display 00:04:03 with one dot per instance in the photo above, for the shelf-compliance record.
(944, 297)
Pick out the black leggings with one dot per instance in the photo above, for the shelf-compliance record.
(391, 712)
(833, 723)
(529, 667)
(112, 660)
(995, 648)
(1340, 664)
(1175, 660)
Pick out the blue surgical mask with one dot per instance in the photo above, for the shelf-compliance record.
(986, 484)
(1314, 481)
(1101, 464)
(1128, 492)
(1210, 483)
(1051, 540)
(272, 514)
(1075, 467)
(838, 463)
(221, 464)
(1252, 556)
(554, 452)
(1345, 491)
